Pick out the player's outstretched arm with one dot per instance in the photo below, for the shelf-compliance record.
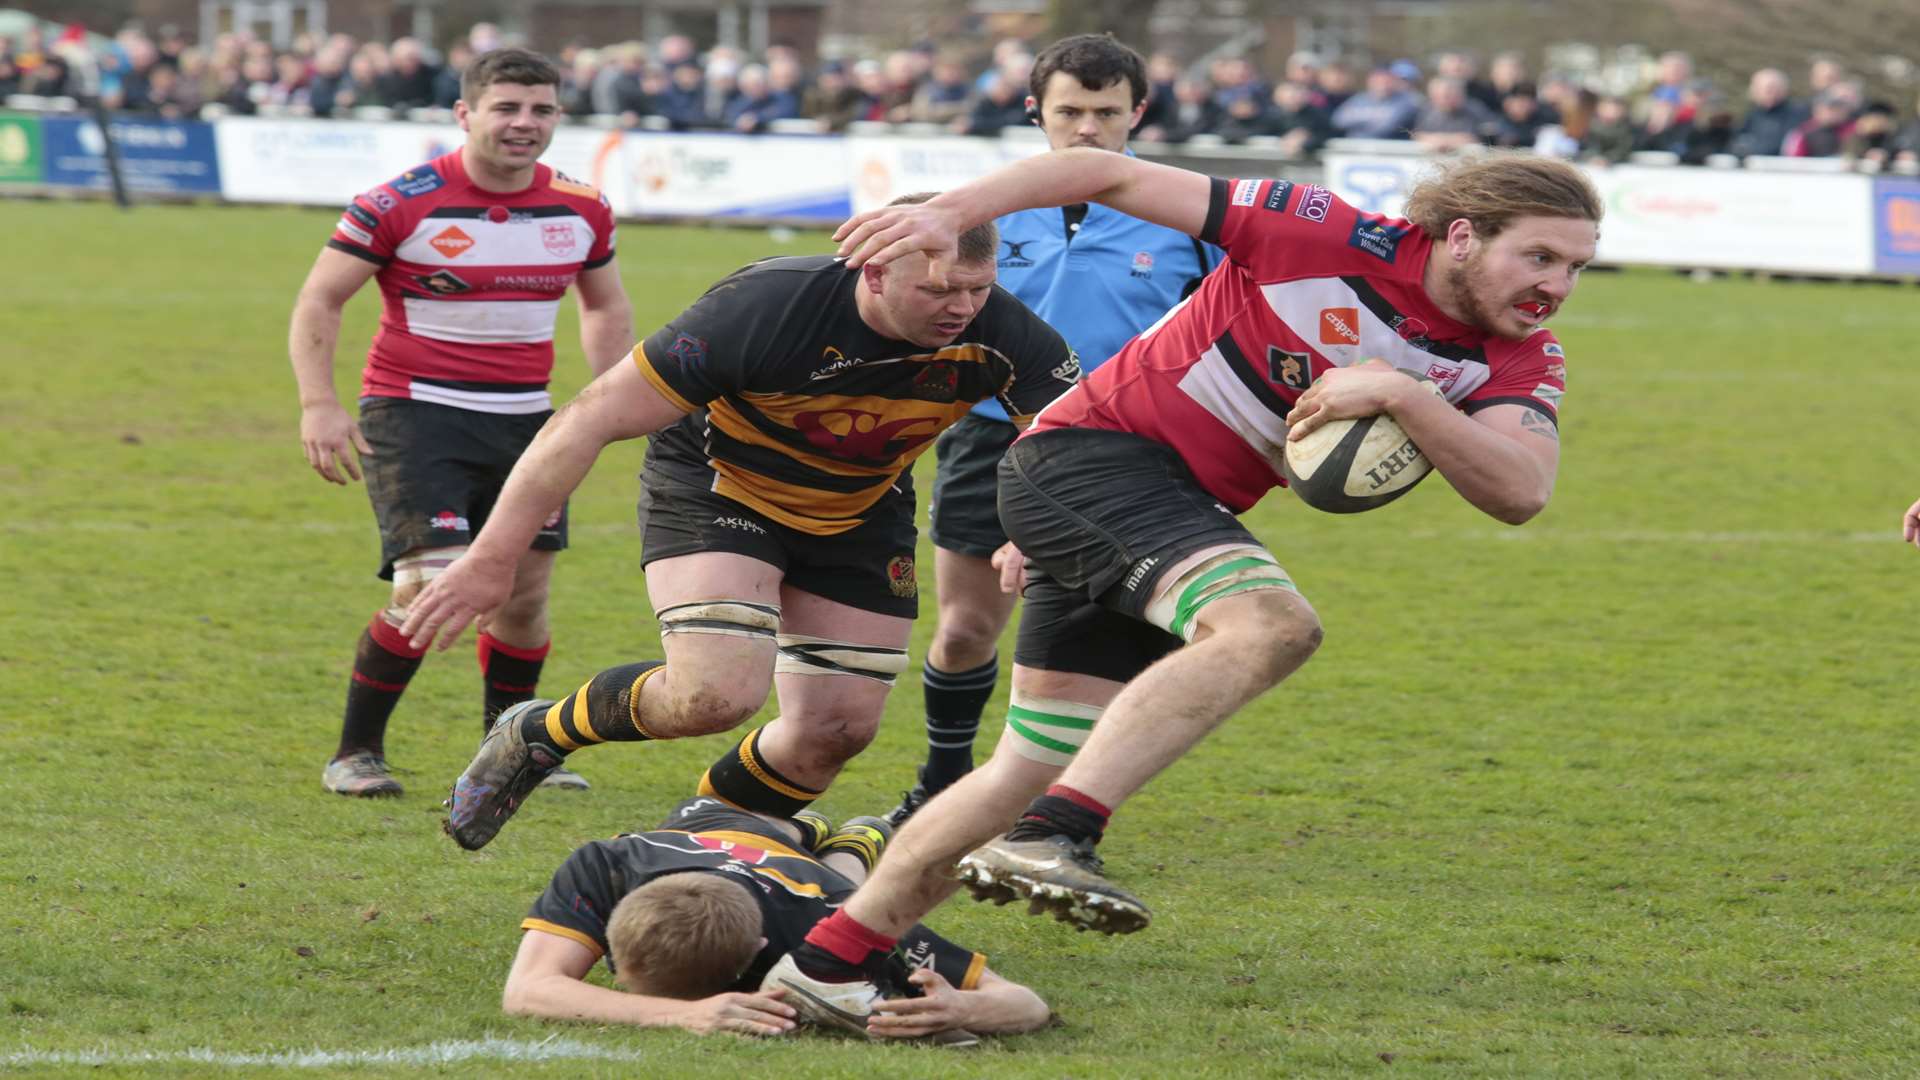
(328, 435)
(996, 1005)
(548, 981)
(606, 318)
(1161, 194)
(619, 405)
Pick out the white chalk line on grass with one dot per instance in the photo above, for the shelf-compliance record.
(439, 1053)
(1528, 535)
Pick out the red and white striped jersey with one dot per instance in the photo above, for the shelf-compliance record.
(471, 281)
(1309, 284)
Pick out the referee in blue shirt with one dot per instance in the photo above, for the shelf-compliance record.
(1097, 276)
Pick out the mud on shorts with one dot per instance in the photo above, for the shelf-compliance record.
(964, 513)
(1101, 515)
(869, 567)
(436, 472)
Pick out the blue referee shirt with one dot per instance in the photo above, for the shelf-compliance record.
(1098, 284)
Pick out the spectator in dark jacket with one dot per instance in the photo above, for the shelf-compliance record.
(1300, 125)
(833, 100)
(757, 104)
(1770, 117)
(685, 102)
(1520, 119)
(1612, 134)
(408, 83)
(1162, 72)
(1875, 135)
(1004, 105)
(1386, 109)
(1451, 119)
(446, 81)
(1823, 133)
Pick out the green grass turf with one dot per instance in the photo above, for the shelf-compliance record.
(1626, 792)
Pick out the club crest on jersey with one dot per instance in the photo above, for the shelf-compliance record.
(559, 237)
(1142, 264)
(900, 577)
(1315, 201)
(1293, 370)
(1014, 259)
(417, 182)
(1443, 375)
(937, 382)
(1277, 195)
(1339, 326)
(382, 200)
(451, 241)
(742, 852)
(1377, 238)
(689, 350)
(442, 282)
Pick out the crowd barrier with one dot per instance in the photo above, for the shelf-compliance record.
(1769, 216)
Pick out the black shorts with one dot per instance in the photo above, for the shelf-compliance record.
(869, 567)
(1101, 515)
(963, 512)
(436, 472)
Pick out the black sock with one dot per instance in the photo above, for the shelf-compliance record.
(743, 778)
(954, 702)
(383, 664)
(1052, 815)
(509, 674)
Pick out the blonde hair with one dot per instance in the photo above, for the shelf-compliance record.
(1492, 190)
(685, 936)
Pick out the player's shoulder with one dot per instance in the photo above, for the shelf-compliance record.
(566, 186)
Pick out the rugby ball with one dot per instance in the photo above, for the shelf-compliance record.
(1346, 466)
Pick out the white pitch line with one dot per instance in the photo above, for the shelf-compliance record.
(440, 1053)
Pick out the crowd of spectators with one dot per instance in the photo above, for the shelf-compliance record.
(669, 84)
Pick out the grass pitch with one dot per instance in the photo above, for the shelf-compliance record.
(1629, 791)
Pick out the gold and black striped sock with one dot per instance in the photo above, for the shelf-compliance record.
(743, 778)
(864, 838)
(607, 709)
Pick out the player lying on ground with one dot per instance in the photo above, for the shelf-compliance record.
(691, 915)
(1151, 614)
(786, 406)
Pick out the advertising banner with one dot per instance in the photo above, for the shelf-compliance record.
(882, 168)
(1896, 226)
(172, 156)
(660, 174)
(20, 158)
(1683, 216)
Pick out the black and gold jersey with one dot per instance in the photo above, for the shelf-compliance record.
(806, 414)
(794, 890)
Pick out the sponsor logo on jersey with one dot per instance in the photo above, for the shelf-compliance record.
(1068, 372)
(1246, 192)
(689, 350)
(1339, 326)
(1293, 370)
(1377, 238)
(837, 362)
(937, 382)
(367, 218)
(558, 237)
(355, 233)
(564, 183)
(533, 282)
(1142, 264)
(448, 521)
(900, 577)
(1557, 371)
(382, 200)
(1315, 201)
(417, 182)
(1549, 393)
(861, 435)
(1553, 349)
(442, 282)
(742, 852)
(1277, 195)
(1413, 330)
(1443, 375)
(1015, 258)
(740, 523)
(451, 241)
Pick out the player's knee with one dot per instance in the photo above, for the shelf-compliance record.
(708, 708)
(1274, 631)
(965, 631)
(411, 574)
(835, 735)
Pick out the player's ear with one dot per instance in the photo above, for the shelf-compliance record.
(1460, 239)
(873, 277)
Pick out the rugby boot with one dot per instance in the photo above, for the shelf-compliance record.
(845, 1006)
(862, 837)
(1056, 875)
(507, 769)
(565, 779)
(911, 800)
(363, 774)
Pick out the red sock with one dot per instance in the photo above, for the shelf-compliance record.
(1082, 800)
(845, 938)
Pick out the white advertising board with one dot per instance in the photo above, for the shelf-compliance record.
(881, 168)
(1683, 216)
